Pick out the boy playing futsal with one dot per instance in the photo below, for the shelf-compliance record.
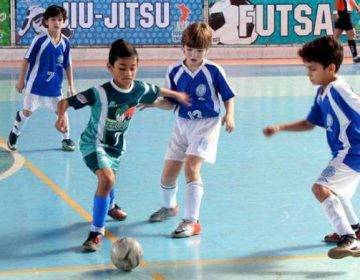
(196, 129)
(44, 63)
(103, 141)
(336, 108)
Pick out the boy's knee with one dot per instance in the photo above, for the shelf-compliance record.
(26, 113)
(321, 192)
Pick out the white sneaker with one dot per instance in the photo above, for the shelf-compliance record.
(346, 247)
(186, 228)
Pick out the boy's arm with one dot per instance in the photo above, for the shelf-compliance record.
(61, 122)
(20, 84)
(180, 97)
(228, 118)
(164, 104)
(70, 78)
(302, 125)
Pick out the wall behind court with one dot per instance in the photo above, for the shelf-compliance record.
(153, 23)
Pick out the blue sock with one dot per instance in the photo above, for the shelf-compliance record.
(100, 209)
(112, 198)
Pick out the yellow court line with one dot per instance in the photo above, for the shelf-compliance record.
(157, 276)
(65, 197)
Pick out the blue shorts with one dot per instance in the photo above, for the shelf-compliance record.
(100, 159)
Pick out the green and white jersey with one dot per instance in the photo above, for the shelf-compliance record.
(111, 111)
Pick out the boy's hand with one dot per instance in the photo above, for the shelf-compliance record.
(71, 92)
(229, 121)
(61, 124)
(183, 98)
(20, 84)
(271, 130)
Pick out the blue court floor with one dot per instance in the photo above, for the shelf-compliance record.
(259, 217)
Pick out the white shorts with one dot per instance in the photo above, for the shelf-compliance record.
(33, 101)
(339, 178)
(197, 137)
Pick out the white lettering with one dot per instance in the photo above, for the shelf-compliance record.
(322, 22)
(305, 26)
(284, 18)
(270, 23)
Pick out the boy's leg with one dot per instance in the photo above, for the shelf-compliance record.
(193, 196)
(352, 218)
(115, 211)
(106, 179)
(352, 45)
(348, 244)
(20, 121)
(51, 103)
(168, 191)
(31, 104)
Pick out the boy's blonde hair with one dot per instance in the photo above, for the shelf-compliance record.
(197, 35)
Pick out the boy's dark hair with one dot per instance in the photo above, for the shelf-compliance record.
(197, 35)
(121, 49)
(54, 11)
(324, 50)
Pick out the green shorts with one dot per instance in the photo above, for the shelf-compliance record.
(99, 160)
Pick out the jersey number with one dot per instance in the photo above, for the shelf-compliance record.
(117, 136)
(194, 115)
(50, 76)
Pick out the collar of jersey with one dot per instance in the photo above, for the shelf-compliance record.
(51, 39)
(193, 74)
(122, 90)
(338, 80)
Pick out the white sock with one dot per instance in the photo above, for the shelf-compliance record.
(20, 122)
(168, 196)
(193, 195)
(336, 215)
(349, 210)
(66, 135)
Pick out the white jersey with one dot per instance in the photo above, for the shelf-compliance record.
(337, 109)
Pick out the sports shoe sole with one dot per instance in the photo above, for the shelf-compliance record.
(339, 253)
(11, 148)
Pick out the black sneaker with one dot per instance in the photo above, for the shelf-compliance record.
(68, 145)
(347, 246)
(93, 242)
(117, 214)
(356, 59)
(11, 143)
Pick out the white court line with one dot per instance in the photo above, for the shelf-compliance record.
(17, 165)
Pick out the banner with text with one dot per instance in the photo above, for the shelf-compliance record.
(101, 22)
(263, 22)
(5, 34)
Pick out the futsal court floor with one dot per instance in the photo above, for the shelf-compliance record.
(259, 217)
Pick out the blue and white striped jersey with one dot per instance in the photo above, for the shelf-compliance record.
(47, 62)
(337, 109)
(204, 87)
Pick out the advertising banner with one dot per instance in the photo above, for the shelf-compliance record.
(264, 22)
(5, 34)
(141, 22)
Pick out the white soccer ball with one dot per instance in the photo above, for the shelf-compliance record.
(224, 20)
(126, 253)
